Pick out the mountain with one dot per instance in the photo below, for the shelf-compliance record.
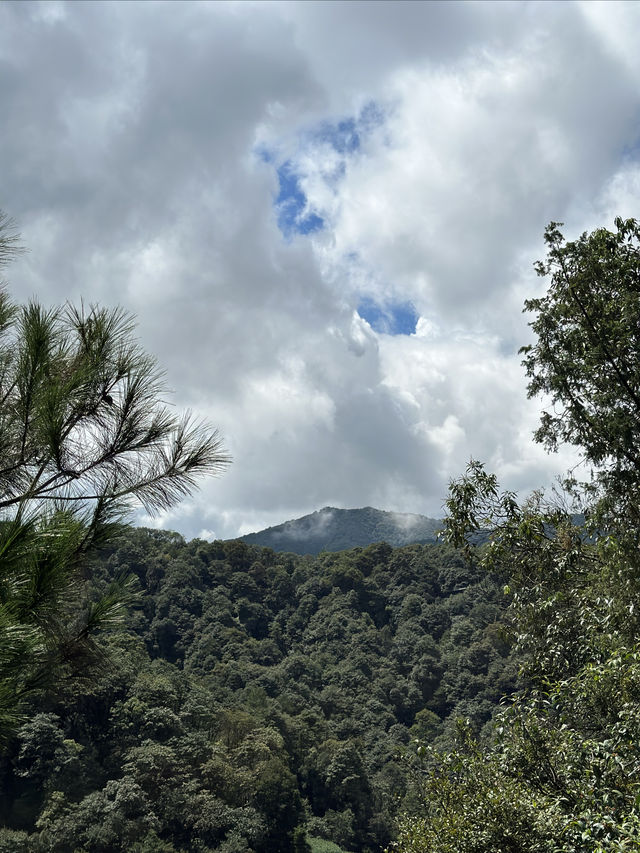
(332, 529)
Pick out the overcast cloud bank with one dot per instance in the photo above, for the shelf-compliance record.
(325, 217)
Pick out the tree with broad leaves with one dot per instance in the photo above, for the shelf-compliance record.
(586, 358)
(561, 772)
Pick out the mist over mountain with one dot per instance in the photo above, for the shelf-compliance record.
(333, 529)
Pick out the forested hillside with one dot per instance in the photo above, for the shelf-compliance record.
(257, 699)
(332, 529)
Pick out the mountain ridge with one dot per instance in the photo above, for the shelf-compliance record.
(335, 529)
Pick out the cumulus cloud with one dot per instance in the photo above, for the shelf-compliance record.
(167, 157)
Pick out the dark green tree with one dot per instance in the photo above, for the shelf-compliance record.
(562, 771)
(84, 437)
(586, 358)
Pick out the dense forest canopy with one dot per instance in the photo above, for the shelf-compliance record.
(476, 696)
(257, 697)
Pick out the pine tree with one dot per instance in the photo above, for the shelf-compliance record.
(84, 437)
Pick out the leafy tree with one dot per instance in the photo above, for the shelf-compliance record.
(84, 436)
(562, 771)
(586, 357)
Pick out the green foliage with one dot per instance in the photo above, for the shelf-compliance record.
(320, 845)
(585, 359)
(561, 770)
(84, 435)
(561, 774)
(238, 737)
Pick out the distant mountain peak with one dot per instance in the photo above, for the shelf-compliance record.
(334, 529)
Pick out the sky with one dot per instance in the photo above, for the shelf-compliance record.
(324, 216)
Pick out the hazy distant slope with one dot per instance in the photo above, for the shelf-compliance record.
(332, 529)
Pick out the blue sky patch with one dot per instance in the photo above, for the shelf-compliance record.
(392, 318)
(291, 203)
(345, 137)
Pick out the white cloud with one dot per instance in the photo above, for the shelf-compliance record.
(131, 140)
(473, 160)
